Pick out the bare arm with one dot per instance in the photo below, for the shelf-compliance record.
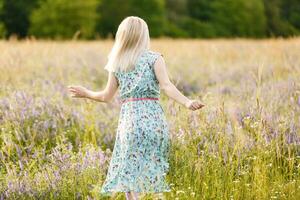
(170, 89)
(103, 96)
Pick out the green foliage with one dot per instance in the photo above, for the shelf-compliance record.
(2, 26)
(151, 11)
(15, 16)
(196, 28)
(1, 9)
(108, 24)
(200, 9)
(173, 30)
(276, 24)
(291, 13)
(194, 25)
(239, 18)
(2, 30)
(64, 18)
(178, 7)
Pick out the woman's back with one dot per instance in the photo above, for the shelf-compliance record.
(141, 81)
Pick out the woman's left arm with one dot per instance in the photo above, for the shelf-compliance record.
(105, 95)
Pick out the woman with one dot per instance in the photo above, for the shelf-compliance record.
(139, 160)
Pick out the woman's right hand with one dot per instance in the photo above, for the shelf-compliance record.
(78, 91)
(194, 105)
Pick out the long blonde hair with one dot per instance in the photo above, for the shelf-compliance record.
(132, 38)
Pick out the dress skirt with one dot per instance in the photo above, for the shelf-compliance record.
(139, 161)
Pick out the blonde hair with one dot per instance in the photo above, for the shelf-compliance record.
(132, 38)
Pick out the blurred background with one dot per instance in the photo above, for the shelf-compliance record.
(92, 19)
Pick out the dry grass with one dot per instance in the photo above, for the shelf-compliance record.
(243, 145)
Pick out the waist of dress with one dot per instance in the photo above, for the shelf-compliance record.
(138, 99)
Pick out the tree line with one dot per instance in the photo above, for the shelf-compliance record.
(90, 19)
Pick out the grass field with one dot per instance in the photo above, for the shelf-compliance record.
(244, 144)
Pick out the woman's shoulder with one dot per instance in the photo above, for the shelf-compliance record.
(153, 56)
(154, 53)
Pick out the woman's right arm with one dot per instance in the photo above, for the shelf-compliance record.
(105, 95)
(170, 89)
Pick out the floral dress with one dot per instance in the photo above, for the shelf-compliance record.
(139, 159)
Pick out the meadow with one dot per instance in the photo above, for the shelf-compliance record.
(244, 144)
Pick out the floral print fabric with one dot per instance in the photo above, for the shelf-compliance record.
(139, 160)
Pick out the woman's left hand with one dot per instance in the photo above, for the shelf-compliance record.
(194, 105)
(78, 91)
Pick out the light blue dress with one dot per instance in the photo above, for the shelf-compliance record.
(140, 156)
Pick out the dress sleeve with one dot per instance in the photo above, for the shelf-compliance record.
(153, 57)
(107, 68)
(113, 72)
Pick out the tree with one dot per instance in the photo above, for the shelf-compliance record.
(153, 12)
(189, 18)
(239, 18)
(175, 18)
(178, 7)
(200, 9)
(277, 18)
(107, 25)
(196, 28)
(2, 28)
(291, 13)
(63, 18)
(15, 16)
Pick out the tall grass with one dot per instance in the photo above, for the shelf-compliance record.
(244, 144)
